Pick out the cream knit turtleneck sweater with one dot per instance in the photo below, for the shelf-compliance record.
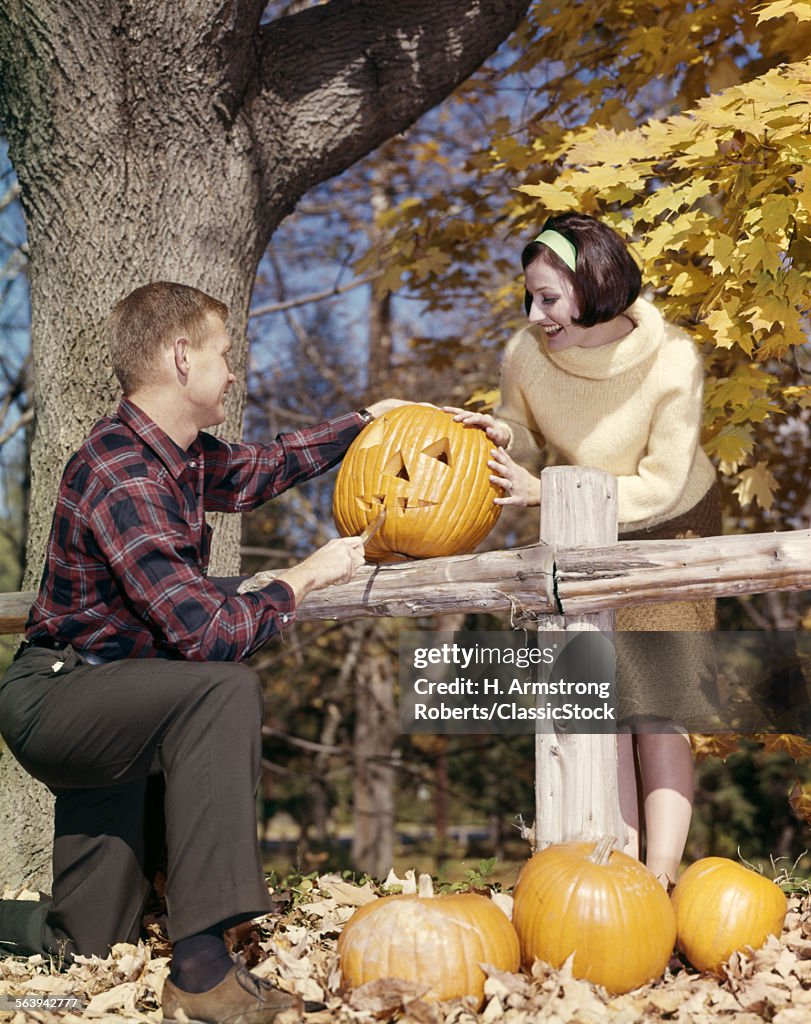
(632, 408)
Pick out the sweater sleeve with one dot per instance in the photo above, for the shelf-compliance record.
(515, 410)
(673, 439)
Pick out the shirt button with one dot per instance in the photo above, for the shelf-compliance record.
(285, 617)
(192, 463)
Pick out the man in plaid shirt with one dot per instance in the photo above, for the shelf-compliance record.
(129, 680)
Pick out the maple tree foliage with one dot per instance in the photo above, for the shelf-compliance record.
(687, 127)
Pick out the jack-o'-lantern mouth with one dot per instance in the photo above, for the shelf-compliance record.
(396, 471)
(398, 501)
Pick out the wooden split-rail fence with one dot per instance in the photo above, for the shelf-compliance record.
(573, 579)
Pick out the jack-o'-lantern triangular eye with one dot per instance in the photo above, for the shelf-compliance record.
(396, 467)
(439, 450)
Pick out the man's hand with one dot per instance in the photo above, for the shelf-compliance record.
(335, 562)
(387, 404)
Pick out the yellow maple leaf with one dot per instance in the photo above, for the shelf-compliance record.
(553, 198)
(726, 332)
(689, 281)
(772, 308)
(758, 484)
(774, 743)
(738, 389)
(760, 254)
(801, 9)
(607, 146)
(718, 745)
(776, 213)
(488, 397)
(781, 341)
(757, 320)
(433, 261)
(731, 444)
(722, 247)
(801, 394)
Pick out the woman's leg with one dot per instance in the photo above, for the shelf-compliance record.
(666, 769)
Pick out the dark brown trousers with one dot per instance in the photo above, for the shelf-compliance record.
(101, 737)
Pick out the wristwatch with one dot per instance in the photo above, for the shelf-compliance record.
(365, 417)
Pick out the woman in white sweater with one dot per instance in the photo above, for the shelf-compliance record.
(598, 378)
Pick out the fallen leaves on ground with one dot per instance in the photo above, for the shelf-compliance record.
(296, 950)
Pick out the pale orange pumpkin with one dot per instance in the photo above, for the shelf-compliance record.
(433, 940)
(600, 904)
(429, 473)
(722, 906)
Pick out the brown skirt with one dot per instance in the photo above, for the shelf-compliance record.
(670, 680)
(702, 520)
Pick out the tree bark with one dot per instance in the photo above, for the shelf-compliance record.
(374, 803)
(166, 141)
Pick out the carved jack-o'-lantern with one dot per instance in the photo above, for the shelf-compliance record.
(429, 473)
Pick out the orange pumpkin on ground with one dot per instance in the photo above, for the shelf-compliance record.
(438, 941)
(722, 906)
(429, 473)
(600, 904)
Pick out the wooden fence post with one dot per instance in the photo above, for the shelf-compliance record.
(576, 784)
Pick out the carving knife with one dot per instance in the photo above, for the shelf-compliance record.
(374, 526)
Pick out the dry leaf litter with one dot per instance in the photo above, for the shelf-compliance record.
(295, 947)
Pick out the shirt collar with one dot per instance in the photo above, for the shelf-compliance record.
(171, 454)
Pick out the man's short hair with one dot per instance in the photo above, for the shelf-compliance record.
(607, 279)
(143, 323)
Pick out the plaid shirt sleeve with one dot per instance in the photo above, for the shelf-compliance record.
(127, 559)
(142, 535)
(238, 477)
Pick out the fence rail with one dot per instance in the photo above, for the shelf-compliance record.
(541, 579)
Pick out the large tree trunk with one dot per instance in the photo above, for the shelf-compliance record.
(166, 141)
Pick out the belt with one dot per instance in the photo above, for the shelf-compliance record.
(47, 643)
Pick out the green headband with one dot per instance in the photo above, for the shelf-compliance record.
(560, 246)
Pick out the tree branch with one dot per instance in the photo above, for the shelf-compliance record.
(361, 71)
(9, 432)
(304, 300)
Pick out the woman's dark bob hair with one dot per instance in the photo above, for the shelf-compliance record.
(607, 280)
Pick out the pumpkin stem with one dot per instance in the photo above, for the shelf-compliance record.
(425, 887)
(602, 849)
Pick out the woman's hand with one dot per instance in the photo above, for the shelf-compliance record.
(497, 432)
(520, 487)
